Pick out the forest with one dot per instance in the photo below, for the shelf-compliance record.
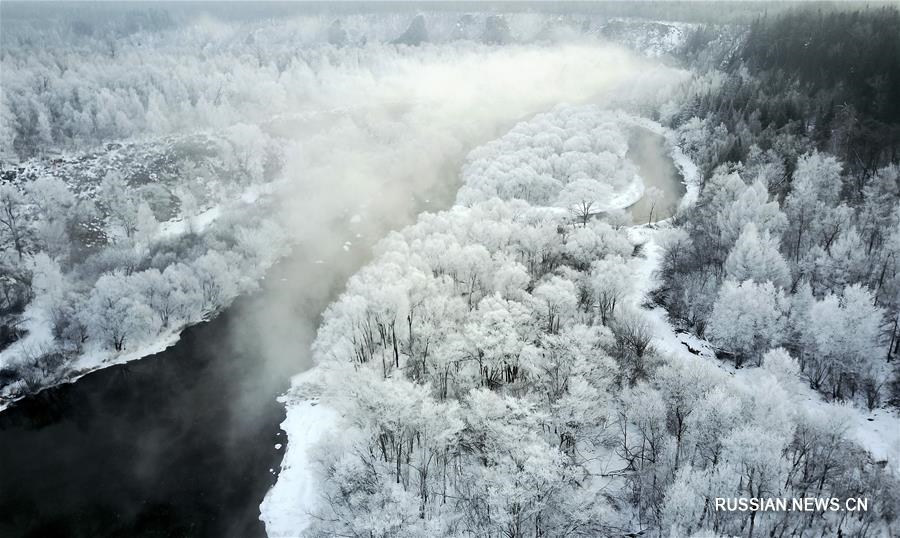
(501, 368)
(800, 191)
(155, 180)
(522, 352)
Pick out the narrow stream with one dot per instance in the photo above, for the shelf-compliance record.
(183, 443)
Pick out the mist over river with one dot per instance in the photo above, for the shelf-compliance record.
(183, 443)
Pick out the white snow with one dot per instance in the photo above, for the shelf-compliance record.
(689, 172)
(197, 223)
(627, 197)
(201, 221)
(879, 433)
(285, 509)
(39, 336)
(91, 361)
(653, 38)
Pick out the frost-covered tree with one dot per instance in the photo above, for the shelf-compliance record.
(120, 203)
(752, 205)
(174, 294)
(683, 384)
(597, 239)
(50, 289)
(810, 205)
(56, 213)
(583, 198)
(844, 262)
(843, 334)
(116, 314)
(573, 158)
(756, 257)
(145, 225)
(558, 301)
(248, 149)
(216, 278)
(753, 457)
(610, 281)
(748, 318)
(13, 223)
(655, 197)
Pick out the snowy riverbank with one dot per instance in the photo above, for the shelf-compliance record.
(285, 507)
(40, 340)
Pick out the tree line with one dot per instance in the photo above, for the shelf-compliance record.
(795, 239)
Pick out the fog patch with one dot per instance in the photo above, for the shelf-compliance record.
(382, 137)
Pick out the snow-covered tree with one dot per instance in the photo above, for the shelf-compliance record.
(843, 332)
(557, 300)
(610, 282)
(13, 223)
(583, 198)
(116, 314)
(120, 204)
(752, 205)
(756, 257)
(748, 318)
(810, 205)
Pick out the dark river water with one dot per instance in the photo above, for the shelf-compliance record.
(148, 448)
(648, 151)
(183, 443)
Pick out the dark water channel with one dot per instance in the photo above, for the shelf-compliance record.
(649, 152)
(183, 443)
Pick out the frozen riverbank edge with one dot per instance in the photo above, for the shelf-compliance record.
(93, 360)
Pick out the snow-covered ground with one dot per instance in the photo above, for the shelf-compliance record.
(202, 220)
(626, 197)
(284, 509)
(652, 38)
